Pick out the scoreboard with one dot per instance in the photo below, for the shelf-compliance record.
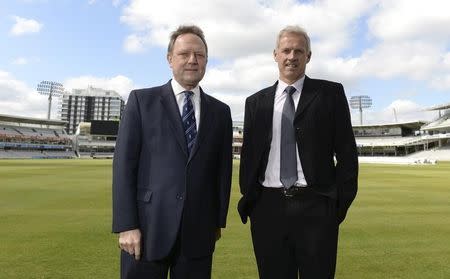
(104, 127)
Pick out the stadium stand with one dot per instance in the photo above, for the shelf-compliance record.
(96, 139)
(415, 142)
(394, 139)
(407, 142)
(442, 123)
(238, 137)
(24, 137)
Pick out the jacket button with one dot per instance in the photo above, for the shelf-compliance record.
(179, 197)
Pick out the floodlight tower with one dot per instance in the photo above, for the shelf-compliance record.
(50, 88)
(360, 102)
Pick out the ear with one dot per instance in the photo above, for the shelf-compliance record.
(309, 57)
(169, 59)
(275, 55)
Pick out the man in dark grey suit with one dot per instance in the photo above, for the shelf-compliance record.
(172, 170)
(294, 191)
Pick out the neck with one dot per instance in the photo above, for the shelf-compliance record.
(189, 87)
(289, 81)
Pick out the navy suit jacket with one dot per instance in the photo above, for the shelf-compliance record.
(160, 189)
(323, 131)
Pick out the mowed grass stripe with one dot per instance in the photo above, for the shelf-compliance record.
(55, 222)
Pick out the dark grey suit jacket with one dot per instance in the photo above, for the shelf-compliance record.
(324, 130)
(157, 187)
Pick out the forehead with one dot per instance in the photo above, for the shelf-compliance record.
(189, 41)
(292, 40)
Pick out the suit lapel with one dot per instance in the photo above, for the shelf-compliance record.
(205, 120)
(170, 105)
(308, 94)
(266, 111)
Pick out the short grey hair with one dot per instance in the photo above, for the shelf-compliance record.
(295, 29)
(186, 29)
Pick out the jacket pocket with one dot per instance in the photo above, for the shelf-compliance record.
(144, 195)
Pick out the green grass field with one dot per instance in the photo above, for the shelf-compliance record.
(55, 222)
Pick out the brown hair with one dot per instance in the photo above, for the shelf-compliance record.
(186, 29)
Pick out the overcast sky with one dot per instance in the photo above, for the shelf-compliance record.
(396, 51)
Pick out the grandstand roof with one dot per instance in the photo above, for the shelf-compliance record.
(441, 124)
(439, 107)
(30, 120)
(415, 125)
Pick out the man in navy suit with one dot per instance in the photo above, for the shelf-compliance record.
(299, 167)
(172, 170)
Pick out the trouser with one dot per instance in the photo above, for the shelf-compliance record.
(180, 266)
(294, 236)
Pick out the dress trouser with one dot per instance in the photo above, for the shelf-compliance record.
(294, 237)
(180, 266)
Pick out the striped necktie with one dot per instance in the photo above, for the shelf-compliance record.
(288, 156)
(188, 119)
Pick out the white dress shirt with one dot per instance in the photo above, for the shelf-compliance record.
(179, 96)
(272, 175)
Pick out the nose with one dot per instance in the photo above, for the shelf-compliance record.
(192, 58)
(291, 55)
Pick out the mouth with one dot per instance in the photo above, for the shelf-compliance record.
(291, 66)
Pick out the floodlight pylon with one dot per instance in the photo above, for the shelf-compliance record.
(50, 88)
(360, 102)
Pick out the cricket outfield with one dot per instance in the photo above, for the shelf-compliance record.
(55, 222)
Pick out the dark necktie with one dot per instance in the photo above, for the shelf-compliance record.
(288, 157)
(188, 118)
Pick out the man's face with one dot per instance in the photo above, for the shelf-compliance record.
(188, 60)
(292, 56)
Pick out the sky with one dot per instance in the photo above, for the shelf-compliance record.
(395, 51)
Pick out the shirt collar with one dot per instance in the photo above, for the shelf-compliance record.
(178, 89)
(297, 84)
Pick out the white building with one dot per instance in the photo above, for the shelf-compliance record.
(85, 105)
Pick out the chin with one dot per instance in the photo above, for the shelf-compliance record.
(295, 75)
